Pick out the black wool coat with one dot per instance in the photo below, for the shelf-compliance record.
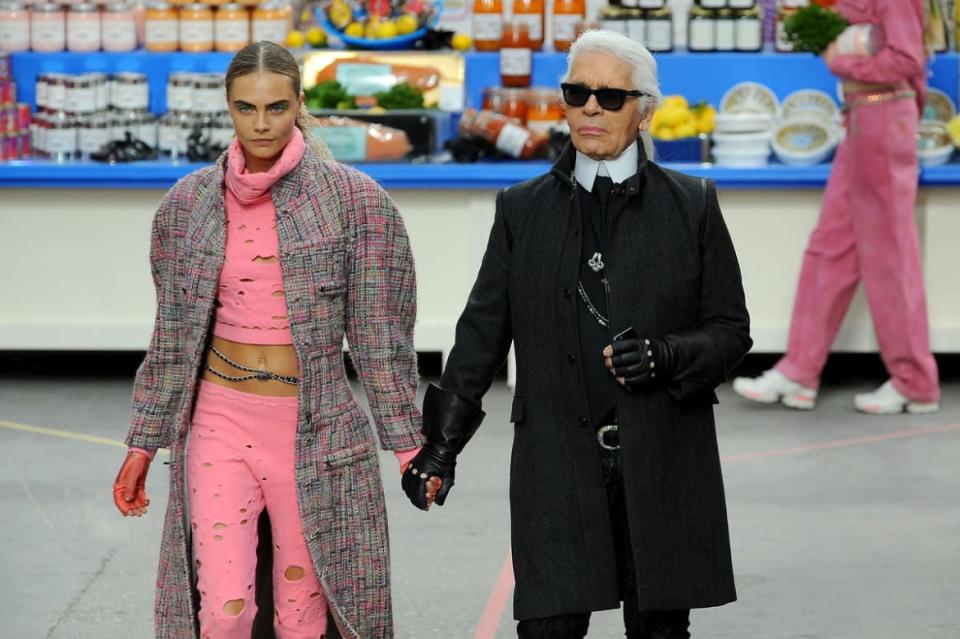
(673, 274)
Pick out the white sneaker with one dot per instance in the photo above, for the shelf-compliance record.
(773, 386)
(886, 400)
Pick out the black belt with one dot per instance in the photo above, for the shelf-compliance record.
(608, 436)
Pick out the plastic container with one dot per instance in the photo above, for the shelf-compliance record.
(531, 13)
(119, 25)
(160, 27)
(48, 28)
(196, 28)
(567, 14)
(14, 26)
(516, 55)
(487, 24)
(83, 28)
(232, 29)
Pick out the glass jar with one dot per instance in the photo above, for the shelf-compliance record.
(492, 99)
(567, 14)
(93, 133)
(209, 93)
(221, 131)
(487, 24)
(270, 22)
(60, 137)
(516, 55)
(172, 134)
(196, 28)
(660, 30)
(514, 104)
(41, 89)
(80, 94)
(129, 91)
(14, 26)
(749, 29)
(160, 27)
(702, 29)
(48, 28)
(83, 28)
(101, 89)
(531, 12)
(726, 33)
(56, 93)
(38, 128)
(119, 27)
(614, 19)
(636, 25)
(180, 91)
(146, 129)
(232, 31)
(544, 111)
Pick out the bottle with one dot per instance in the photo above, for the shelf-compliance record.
(119, 27)
(513, 104)
(196, 28)
(487, 24)
(160, 27)
(567, 14)
(232, 29)
(614, 18)
(516, 55)
(660, 30)
(702, 29)
(14, 26)
(636, 24)
(726, 31)
(543, 110)
(749, 34)
(83, 28)
(530, 12)
(508, 137)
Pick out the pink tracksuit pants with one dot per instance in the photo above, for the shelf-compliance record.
(867, 233)
(240, 459)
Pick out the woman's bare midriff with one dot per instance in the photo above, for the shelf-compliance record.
(279, 359)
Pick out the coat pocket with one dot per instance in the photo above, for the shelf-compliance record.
(516, 410)
(348, 456)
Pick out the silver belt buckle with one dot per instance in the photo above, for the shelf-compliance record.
(603, 430)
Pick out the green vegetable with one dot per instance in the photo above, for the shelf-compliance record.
(813, 28)
(401, 96)
(328, 95)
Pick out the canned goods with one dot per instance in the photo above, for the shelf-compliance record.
(129, 91)
(8, 92)
(23, 117)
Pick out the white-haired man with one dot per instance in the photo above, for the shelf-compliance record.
(618, 285)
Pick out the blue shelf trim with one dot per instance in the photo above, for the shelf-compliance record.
(494, 175)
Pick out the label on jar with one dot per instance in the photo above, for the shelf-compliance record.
(726, 35)
(713, 4)
(130, 96)
(637, 30)
(198, 32)
(487, 26)
(702, 35)
(83, 35)
(659, 35)
(534, 24)
(512, 139)
(232, 31)
(270, 30)
(742, 4)
(119, 35)
(749, 35)
(652, 4)
(56, 96)
(160, 32)
(15, 34)
(90, 140)
(565, 27)
(179, 98)
(81, 99)
(61, 141)
(47, 34)
(515, 61)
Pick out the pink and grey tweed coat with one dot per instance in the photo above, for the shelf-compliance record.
(346, 266)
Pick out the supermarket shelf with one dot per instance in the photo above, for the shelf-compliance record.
(488, 175)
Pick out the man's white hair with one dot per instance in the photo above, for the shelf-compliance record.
(632, 52)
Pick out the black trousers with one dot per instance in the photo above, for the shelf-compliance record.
(646, 624)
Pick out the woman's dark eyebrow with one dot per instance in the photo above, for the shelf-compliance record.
(272, 104)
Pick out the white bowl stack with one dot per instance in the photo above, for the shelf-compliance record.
(934, 145)
(809, 129)
(742, 136)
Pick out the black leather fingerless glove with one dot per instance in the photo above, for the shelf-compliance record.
(643, 361)
(449, 422)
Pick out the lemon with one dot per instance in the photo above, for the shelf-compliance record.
(295, 39)
(407, 23)
(386, 29)
(675, 101)
(666, 134)
(317, 37)
(688, 130)
(953, 127)
(461, 42)
(671, 116)
(340, 14)
(370, 30)
(354, 30)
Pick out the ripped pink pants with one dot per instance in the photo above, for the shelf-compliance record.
(867, 233)
(240, 459)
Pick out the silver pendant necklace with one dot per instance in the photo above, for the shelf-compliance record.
(596, 262)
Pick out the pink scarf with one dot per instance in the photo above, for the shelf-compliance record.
(250, 187)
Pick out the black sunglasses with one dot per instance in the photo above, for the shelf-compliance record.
(576, 95)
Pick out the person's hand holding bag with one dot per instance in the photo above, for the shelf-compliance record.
(129, 488)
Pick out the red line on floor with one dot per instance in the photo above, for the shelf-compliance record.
(503, 588)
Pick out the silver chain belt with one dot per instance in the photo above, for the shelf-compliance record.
(261, 374)
(603, 321)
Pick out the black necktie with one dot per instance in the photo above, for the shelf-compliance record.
(602, 186)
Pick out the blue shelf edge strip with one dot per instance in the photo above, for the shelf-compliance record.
(492, 175)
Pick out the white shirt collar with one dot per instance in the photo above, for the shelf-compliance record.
(619, 169)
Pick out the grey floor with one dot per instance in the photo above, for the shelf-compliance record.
(838, 531)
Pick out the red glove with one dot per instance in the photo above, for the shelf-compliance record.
(129, 488)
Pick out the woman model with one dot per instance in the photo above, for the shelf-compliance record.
(261, 263)
(867, 230)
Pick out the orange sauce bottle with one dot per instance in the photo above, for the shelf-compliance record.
(567, 15)
(516, 56)
(530, 12)
(487, 24)
(514, 104)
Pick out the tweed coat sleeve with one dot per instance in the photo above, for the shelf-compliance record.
(484, 330)
(160, 380)
(380, 313)
(706, 356)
